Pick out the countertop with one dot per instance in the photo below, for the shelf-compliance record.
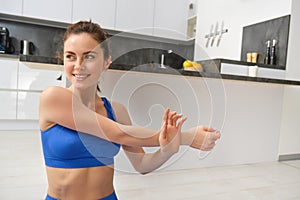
(155, 68)
(168, 70)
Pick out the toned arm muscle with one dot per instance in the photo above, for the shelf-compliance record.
(59, 106)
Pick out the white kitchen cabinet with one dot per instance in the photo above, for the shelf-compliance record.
(31, 82)
(13, 7)
(99, 11)
(170, 19)
(37, 79)
(9, 73)
(54, 10)
(135, 16)
(28, 105)
(8, 105)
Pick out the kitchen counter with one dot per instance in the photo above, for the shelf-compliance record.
(209, 72)
(32, 58)
(41, 59)
(155, 68)
(3, 55)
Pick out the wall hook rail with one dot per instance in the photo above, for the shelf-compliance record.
(216, 34)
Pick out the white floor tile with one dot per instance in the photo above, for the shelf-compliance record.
(22, 176)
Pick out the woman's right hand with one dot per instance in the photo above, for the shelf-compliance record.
(169, 136)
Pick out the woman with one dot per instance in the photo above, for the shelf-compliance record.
(82, 132)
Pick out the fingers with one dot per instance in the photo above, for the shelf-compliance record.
(175, 119)
(181, 122)
(167, 111)
(214, 135)
(211, 139)
(209, 129)
(164, 131)
(171, 117)
(217, 135)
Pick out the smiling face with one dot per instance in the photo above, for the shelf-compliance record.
(84, 61)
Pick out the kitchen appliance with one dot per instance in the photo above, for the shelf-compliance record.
(27, 47)
(4, 40)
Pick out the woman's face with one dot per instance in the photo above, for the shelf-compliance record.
(84, 61)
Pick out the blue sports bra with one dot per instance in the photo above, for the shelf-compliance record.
(67, 148)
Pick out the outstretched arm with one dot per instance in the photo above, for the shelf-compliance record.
(169, 139)
(59, 105)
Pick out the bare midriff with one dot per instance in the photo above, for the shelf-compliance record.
(80, 183)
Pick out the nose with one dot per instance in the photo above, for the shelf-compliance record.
(79, 64)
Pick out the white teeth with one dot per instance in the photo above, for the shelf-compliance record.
(80, 76)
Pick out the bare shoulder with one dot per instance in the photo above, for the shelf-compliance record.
(54, 91)
(53, 100)
(55, 95)
(121, 113)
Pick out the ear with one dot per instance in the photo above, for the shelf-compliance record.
(107, 63)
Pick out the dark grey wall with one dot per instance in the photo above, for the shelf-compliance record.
(256, 35)
(47, 40)
(125, 48)
(137, 52)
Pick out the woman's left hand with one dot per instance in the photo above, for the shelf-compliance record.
(169, 137)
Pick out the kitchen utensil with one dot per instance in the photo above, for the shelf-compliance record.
(215, 34)
(268, 52)
(273, 53)
(249, 57)
(221, 33)
(209, 36)
(4, 39)
(254, 56)
(27, 47)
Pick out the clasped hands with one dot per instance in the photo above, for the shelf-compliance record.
(171, 137)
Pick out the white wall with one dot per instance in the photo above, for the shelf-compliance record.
(239, 13)
(293, 68)
(236, 14)
(194, 11)
(290, 126)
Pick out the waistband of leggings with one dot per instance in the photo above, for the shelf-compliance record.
(112, 196)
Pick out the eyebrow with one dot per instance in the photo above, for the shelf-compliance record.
(84, 53)
(95, 52)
